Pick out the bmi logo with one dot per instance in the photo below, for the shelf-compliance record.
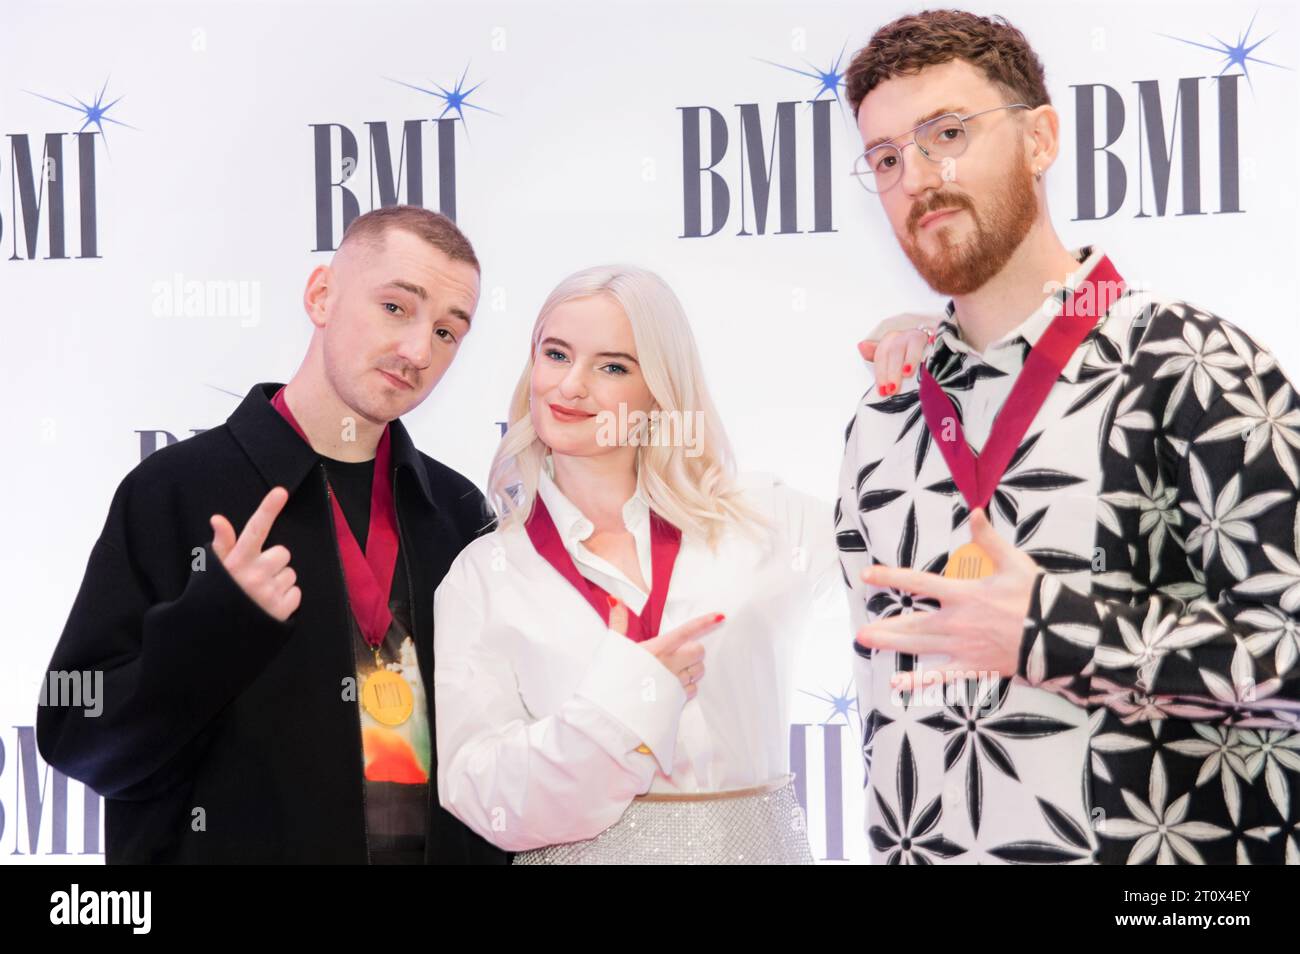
(47, 171)
(1170, 129)
(404, 160)
(767, 164)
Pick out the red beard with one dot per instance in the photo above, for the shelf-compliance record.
(961, 268)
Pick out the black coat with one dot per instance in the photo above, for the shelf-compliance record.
(224, 734)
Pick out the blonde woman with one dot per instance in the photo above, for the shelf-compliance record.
(613, 664)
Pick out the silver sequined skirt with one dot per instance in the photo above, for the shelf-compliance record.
(754, 827)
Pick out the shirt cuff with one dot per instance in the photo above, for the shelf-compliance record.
(635, 688)
(1062, 630)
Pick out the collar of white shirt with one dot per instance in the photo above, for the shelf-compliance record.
(1008, 352)
(574, 527)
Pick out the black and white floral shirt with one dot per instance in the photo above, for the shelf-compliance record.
(1154, 715)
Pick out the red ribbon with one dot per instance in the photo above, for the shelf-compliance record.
(665, 542)
(977, 477)
(368, 573)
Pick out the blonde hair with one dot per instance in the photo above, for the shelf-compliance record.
(698, 495)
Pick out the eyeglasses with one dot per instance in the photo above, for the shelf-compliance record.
(944, 137)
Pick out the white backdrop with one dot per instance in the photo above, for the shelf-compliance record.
(184, 252)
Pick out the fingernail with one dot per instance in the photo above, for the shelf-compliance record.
(718, 618)
(613, 601)
(892, 387)
(883, 392)
(907, 369)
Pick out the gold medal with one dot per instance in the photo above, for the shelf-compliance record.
(387, 697)
(970, 561)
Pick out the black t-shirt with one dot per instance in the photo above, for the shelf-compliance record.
(396, 758)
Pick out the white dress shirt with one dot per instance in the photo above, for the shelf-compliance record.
(541, 709)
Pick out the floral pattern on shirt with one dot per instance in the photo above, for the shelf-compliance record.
(1154, 715)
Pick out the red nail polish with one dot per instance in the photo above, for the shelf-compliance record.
(907, 369)
(613, 601)
(719, 618)
(883, 392)
(892, 388)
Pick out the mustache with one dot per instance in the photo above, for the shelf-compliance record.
(936, 203)
(400, 369)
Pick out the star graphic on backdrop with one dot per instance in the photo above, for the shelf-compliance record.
(455, 99)
(1235, 54)
(96, 113)
(828, 80)
(841, 704)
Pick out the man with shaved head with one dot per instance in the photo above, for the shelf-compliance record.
(258, 607)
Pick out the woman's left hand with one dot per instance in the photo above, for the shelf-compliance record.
(897, 346)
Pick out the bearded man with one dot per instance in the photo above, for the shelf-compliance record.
(1071, 541)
